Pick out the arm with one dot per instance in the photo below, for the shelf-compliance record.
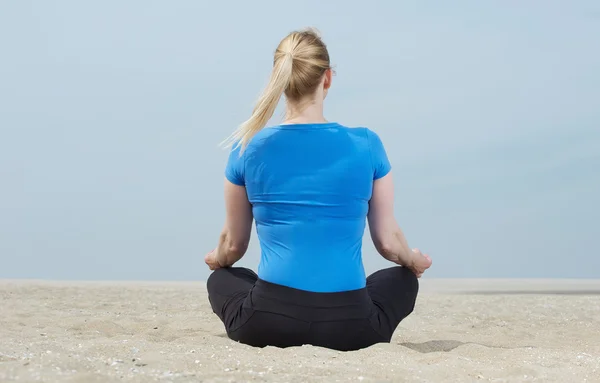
(235, 237)
(385, 232)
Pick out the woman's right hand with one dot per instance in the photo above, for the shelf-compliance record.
(421, 262)
(211, 260)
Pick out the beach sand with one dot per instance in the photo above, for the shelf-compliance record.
(461, 331)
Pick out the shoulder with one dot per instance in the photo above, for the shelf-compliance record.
(372, 135)
(374, 139)
(261, 138)
(367, 135)
(359, 132)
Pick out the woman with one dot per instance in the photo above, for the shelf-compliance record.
(310, 185)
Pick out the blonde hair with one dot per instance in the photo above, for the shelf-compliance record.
(301, 59)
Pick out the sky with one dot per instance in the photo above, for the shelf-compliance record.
(111, 114)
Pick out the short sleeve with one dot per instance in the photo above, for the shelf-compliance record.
(379, 158)
(234, 171)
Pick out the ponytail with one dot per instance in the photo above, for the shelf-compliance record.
(306, 53)
(265, 105)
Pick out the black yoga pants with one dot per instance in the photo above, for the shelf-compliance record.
(259, 313)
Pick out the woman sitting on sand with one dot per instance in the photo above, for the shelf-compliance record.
(310, 185)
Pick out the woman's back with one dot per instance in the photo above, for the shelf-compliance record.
(310, 186)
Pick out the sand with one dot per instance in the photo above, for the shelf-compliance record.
(461, 331)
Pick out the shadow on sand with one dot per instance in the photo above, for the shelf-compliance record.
(448, 345)
(434, 345)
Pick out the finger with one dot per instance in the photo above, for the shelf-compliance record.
(429, 261)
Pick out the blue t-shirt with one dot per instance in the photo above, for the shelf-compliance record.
(310, 186)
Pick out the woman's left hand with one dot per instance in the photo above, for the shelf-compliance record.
(211, 260)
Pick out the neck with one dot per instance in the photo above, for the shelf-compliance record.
(310, 112)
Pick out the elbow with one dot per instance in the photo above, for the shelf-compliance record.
(385, 249)
(231, 248)
(237, 249)
(390, 253)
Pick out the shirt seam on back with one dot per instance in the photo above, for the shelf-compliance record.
(244, 167)
(370, 151)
